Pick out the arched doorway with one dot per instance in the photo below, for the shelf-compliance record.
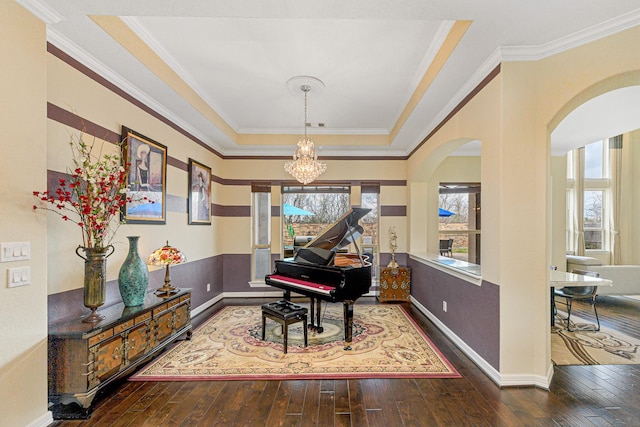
(602, 111)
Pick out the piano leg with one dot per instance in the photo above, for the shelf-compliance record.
(348, 324)
(315, 326)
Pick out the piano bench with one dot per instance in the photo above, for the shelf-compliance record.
(285, 313)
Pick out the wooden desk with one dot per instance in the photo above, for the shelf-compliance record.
(85, 357)
(562, 279)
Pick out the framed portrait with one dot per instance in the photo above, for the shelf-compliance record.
(199, 205)
(147, 179)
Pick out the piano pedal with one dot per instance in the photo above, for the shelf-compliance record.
(347, 347)
(314, 328)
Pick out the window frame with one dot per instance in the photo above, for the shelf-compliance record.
(258, 224)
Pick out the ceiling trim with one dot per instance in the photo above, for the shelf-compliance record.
(95, 76)
(128, 39)
(78, 58)
(42, 11)
(170, 61)
(457, 31)
(458, 107)
(579, 38)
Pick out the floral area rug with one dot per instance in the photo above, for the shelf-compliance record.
(386, 344)
(584, 346)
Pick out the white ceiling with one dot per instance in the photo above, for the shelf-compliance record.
(232, 59)
(604, 116)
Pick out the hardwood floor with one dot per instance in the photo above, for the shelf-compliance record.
(579, 395)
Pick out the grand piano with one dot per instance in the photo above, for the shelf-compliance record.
(318, 270)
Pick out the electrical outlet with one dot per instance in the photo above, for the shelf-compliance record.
(444, 306)
(208, 287)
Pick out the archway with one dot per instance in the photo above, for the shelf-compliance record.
(606, 109)
(463, 156)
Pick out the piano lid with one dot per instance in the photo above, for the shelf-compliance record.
(342, 232)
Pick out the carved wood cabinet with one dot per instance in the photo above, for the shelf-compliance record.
(84, 357)
(395, 284)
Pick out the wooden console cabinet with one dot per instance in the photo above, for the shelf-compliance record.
(85, 357)
(395, 284)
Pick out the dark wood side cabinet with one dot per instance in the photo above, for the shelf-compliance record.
(85, 357)
(395, 284)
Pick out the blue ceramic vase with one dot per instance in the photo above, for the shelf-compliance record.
(133, 279)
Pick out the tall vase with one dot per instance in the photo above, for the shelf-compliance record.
(133, 279)
(95, 279)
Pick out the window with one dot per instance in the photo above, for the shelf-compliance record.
(261, 232)
(595, 188)
(593, 160)
(370, 199)
(593, 225)
(460, 220)
(313, 209)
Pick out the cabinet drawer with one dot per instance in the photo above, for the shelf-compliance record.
(138, 342)
(181, 317)
(108, 359)
(172, 303)
(123, 326)
(143, 317)
(101, 336)
(159, 309)
(163, 328)
(184, 298)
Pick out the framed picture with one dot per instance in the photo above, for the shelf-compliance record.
(147, 179)
(199, 204)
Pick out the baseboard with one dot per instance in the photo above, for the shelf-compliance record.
(493, 374)
(43, 420)
(206, 305)
(489, 370)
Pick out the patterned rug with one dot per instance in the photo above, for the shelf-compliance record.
(386, 344)
(587, 347)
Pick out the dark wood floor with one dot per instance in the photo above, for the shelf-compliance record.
(579, 395)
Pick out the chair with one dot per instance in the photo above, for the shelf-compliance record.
(446, 246)
(571, 293)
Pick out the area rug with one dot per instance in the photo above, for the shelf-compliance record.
(587, 347)
(386, 344)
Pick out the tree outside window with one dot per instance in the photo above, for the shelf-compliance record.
(593, 230)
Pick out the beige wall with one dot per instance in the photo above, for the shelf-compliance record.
(519, 109)
(23, 310)
(71, 90)
(512, 116)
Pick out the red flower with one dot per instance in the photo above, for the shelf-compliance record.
(95, 201)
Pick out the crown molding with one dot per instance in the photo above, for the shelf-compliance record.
(82, 56)
(42, 11)
(171, 62)
(579, 38)
(441, 35)
(530, 53)
(469, 86)
(314, 131)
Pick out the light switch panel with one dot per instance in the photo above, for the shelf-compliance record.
(15, 251)
(19, 276)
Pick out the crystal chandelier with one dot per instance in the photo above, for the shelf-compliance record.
(305, 166)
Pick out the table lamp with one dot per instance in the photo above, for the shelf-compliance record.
(166, 255)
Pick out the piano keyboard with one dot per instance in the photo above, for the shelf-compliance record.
(302, 284)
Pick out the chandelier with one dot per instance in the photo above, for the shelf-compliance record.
(305, 166)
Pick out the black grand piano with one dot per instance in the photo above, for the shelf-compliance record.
(319, 271)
